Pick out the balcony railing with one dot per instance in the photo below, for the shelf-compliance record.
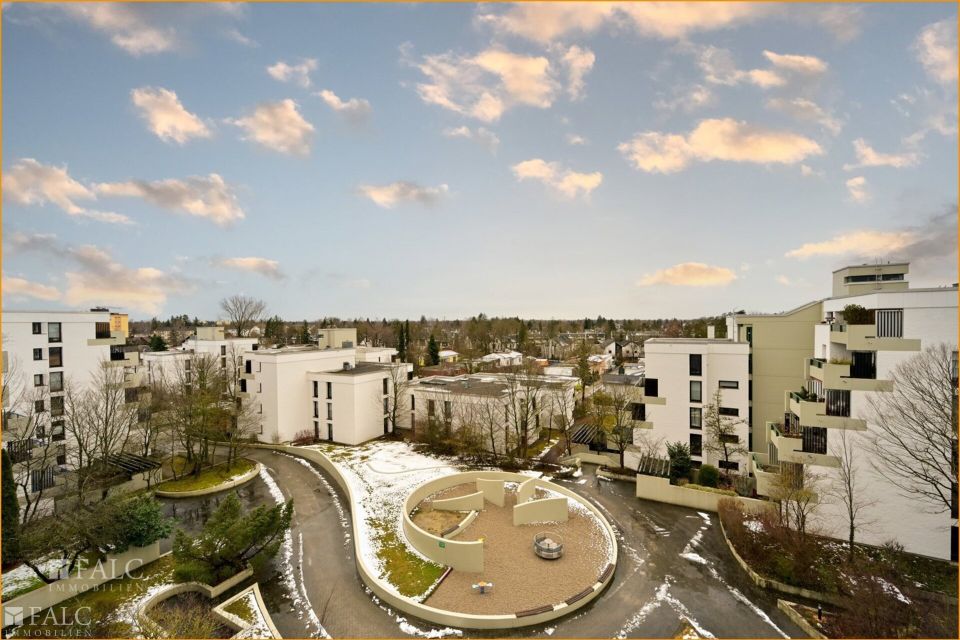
(816, 362)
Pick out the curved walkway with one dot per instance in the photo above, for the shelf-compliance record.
(661, 577)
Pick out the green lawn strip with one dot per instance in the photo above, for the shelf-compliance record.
(103, 602)
(27, 587)
(242, 609)
(210, 477)
(410, 574)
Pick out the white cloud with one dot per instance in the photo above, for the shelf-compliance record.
(575, 140)
(936, 49)
(690, 274)
(716, 139)
(207, 197)
(857, 188)
(127, 26)
(719, 67)
(868, 157)
(807, 171)
(354, 110)
(487, 84)
(390, 195)
(296, 73)
(94, 277)
(565, 182)
(166, 117)
(264, 266)
(13, 286)
(688, 98)
(807, 110)
(578, 62)
(483, 137)
(235, 35)
(30, 182)
(861, 243)
(278, 126)
(805, 65)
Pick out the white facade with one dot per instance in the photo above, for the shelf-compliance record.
(504, 359)
(688, 371)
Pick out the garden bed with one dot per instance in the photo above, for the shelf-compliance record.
(209, 477)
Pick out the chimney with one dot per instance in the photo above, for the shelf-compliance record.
(711, 332)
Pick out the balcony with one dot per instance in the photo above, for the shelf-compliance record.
(765, 474)
(863, 337)
(815, 414)
(113, 338)
(838, 376)
(789, 445)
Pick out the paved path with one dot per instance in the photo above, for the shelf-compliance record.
(662, 577)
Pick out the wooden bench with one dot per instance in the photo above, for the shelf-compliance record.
(449, 530)
(580, 596)
(533, 612)
(606, 573)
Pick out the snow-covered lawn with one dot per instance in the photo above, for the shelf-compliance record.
(22, 579)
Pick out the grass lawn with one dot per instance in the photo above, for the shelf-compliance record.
(409, 573)
(242, 608)
(209, 477)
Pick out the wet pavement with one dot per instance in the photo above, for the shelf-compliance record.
(673, 567)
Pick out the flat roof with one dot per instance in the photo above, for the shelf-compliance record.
(693, 341)
(871, 264)
(358, 369)
(778, 313)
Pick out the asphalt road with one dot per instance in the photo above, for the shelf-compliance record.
(673, 567)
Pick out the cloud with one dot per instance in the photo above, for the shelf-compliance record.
(578, 62)
(166, 117)
(575, 140)
(857, 188)
(390, 195)
(546, 22)
(868, 157)
(278, 126)
(808, 111)
(844, 21)
(483, 137)
(859, 243)
(94, 277)
(19, 287)
(716, 139)
(719, 67)
(264, 266)
(936, 49)
(690, 274)
(807, 171)
(687, 99)
(30, 182)
(354, 110)
(567, 183)
(234, 35)
(805, 65)
(127, 26)
(486, 85)
(296, 73)
(207, 197)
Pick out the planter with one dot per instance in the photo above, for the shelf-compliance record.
(210, 592)
(236, 482)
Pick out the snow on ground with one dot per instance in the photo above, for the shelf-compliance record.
(581, 509)
(660, 597)
(22, 576)
(259, 628)
(341, 512)
(754, 525)
(891, 589)
(298, 595)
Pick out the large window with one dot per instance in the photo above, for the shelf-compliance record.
(56, 381)
(729, 384)
(329, 391)
(38, 379)
(37, 328)
(731, 466)
(56, 406)
(695, 391)
(696, 418)
(728, 411)
(696, 444)
(53, 331)
(696, 364)
(38, 354)
(386, 386)
(56, 356)
(650, 387)
(329, 411)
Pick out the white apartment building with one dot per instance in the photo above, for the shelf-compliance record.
(849, 364)
(208, 342)
(681, 377)
(336, 394)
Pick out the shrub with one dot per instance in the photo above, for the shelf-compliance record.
(700, 487)
(302, 437)
(680, 463)
(11, 514)
(141, 522)
(855, 314)
(708, 476)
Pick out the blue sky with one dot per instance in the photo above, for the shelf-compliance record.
(544, 161)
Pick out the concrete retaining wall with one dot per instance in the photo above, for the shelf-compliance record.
(455, 619)
(239, 624)
(115, 566)
(526, 490)
(211, 592)
(247, 477)
(492, 490)
(545, 510)
(660, 490)
(463, 525)
(471, 502)
(788, 608)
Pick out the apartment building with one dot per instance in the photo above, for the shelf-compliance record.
(681, 377)
(852, 360)
(491, 406)
(160, 366)
(336, 394)
(778, 344)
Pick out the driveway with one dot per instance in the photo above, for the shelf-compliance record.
(674, 566)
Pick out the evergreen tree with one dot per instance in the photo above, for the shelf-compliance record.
(433, 349)
(305, 333)
(401, 342)
(522, 337)
(11, 513)
(157, 343)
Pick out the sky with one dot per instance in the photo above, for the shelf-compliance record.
(546, 161)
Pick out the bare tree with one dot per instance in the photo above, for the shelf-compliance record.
(846, 487)
(562, 403)
(196, 413)
(525, 392)
(243, 312)
(915, 437)
(796, 490)
(722, 437)
(398, 394)
(619, 431)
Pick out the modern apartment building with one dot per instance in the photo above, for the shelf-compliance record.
(852, 360)
(682, 375)
(212, 342)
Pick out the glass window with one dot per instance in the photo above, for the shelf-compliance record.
(316, 389)
(53, 331)
(696, 364)
(223, 350)
(38, 354)
(56, 406)
(38, 380)
(729, 384)
(329, 411)
(37, 328)
(413, 402)
(695, 391)
(56, 381)
(728, 411)
(696, 444)
(733, 466)
(386, 386)
(38, 406)
(329, 391)
(56, 356)
(696, 418)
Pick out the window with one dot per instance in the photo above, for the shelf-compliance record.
(696, 418)
(814, 440)
(316, 410)
(38, 354)
(56, 406)
(732, 466)
(56, 356)
(223, 350)
(386, 425)
(186, 365)
(131, 395)
(749, 389)
(386, 386)
(329, 391)
(56, 381)
(728, 411)
(386, 405)
(413, 402)
(750, 335)
(38, 379)
(750, 363)
(696, 364)
(57, 431)
(431, 408)
(61, 458)
(248, 367)
(889, 323)
(40, 479)
(316, 389)
(223, 363)
(729, 384)
(695, 391)
(329, 411)
(53, 332)
(102, 330)
(447, 410)
(650, 387)
(36, 328)
(38, 406)
(696, 444)
(638, 411)
(838, 403)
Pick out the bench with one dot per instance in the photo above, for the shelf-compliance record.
(606, 573)
(449, 530)
(580, 596)
(533, 612)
